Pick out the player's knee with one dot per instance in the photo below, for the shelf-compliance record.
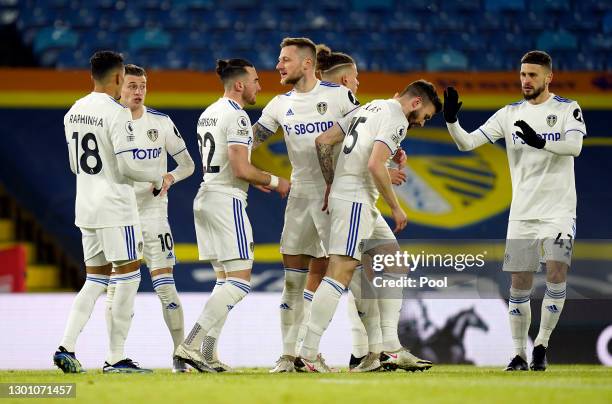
(98, 264)
(240, 269)
(522, 280)
(123, 267)
(556, 272)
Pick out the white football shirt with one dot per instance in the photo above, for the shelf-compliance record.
(543, 183)
(303, 116)
(377, 121)
(156, 137)
(221, 125)
(97, 128)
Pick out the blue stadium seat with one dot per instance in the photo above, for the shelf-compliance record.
(561, 40)
(371, 4)
(149, 39)
(607, 22)
(448, 60)
(550, 5)
(581, 21)
(482, 60)
(449, 22)
(598, 42)
(55, 38)
(193, 4)
(500, 5)
(419, 5)
(465, 41)
(510, 41)
(462, 5)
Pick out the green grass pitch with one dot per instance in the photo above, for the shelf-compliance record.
(442, 384)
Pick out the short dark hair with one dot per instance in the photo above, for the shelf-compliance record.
(327, 60)
(537, 57)
(102, 62)
(426, 90)
(301, 43)
(228, 69)
(134, 70)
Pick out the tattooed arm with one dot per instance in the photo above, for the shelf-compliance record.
(325, 150)
(260, 134)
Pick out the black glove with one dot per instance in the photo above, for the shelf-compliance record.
(529, 135)
(156, 191)
(451, 104)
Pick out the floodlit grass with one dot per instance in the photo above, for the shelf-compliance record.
(441, 384)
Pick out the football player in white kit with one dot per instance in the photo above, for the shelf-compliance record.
(100, 138)
(311, 107)
(373, 136)
(222, 226)
(156, 137)
(340, 68)
(543, 133)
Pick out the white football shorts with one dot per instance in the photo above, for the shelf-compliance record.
(158, 243)
(306, 228)
(354, 223)
(223, 229)
(117, 244)
(530, 243)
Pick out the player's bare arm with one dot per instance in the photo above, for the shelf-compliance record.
(241, 167)
(378, 168)
(260, 134)
(325, 144)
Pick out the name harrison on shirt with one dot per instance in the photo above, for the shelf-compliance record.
(86, 119)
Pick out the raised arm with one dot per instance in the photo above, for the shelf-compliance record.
(464, 141)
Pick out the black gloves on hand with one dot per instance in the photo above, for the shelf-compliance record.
(529, 135)
(451, 104)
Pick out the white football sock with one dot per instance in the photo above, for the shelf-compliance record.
(82, 307)
(217, 306)
(308, 296)
(389, 306)
(211, 341)
(122, 311)
(108, 309)
(358, 331)
(519, 313)
(291, 307)
(552, 305)
(355, 312)
(324, 306)
(368, 304)
(171, 306)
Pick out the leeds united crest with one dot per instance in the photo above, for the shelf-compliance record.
(152, 134)
(551, 120)
(322, 108)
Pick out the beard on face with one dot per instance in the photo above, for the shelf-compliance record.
(292, 80)
(536, 92)
(412, 118)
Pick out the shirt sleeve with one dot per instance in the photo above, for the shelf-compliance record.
(122, 132)
(268, 118)
(347, 101)
(345, 122)
(493, 129)
(175, 143)
(239, 130)
(391, 132)
(574, 121)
